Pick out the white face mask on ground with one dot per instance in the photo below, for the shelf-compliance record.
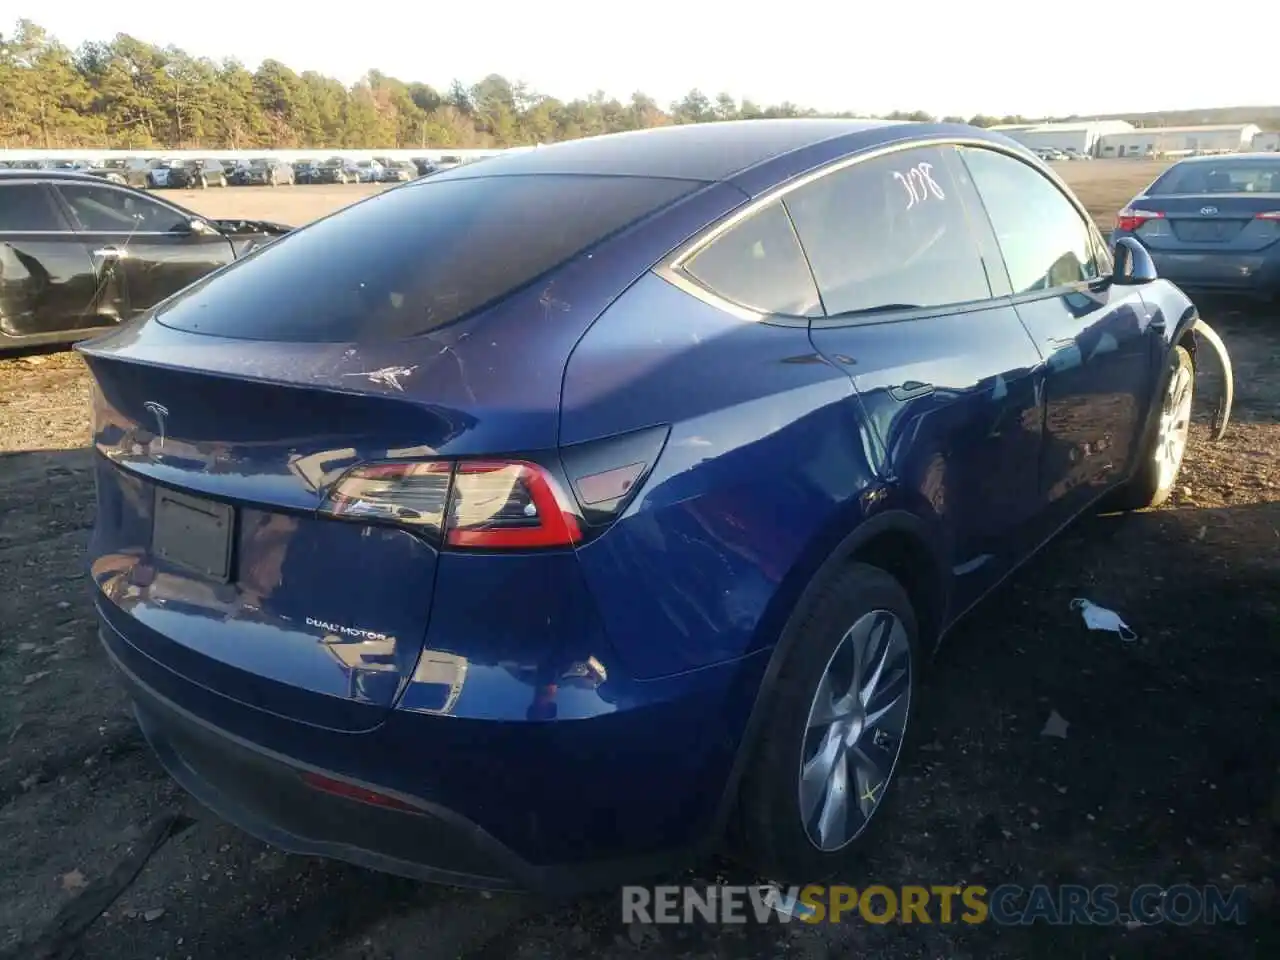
(1100, 618)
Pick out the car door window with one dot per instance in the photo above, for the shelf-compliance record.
(889, 233)
(103, 209)
(1045, 241)
(26, 208)
(758, 264)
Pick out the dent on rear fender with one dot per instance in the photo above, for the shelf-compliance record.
(1222, 414)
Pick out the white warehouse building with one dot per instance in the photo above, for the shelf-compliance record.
(1216, 138)
(1268, 141)
(1078, 136)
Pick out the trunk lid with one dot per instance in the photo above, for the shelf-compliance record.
(211, 556)
(1210, 222)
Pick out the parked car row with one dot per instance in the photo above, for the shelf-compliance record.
(375, 170)
(185, 174)
(1053, 154)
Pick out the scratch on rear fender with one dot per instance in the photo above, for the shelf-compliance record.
(1222, 415)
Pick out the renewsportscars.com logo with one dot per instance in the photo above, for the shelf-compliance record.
(1005, 905)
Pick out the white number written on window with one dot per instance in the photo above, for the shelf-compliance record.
(919, 184)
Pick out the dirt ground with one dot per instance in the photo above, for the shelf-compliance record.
(1169, 771)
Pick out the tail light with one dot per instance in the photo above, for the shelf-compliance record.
(1268, 215)
(502, 504)
(1130, 219)
(511, 504)
(490, 504)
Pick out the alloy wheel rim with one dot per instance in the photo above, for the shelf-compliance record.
(1175, 426)
(854, 732)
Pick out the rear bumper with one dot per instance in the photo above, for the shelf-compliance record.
(555, 807)
(1241, 272)
(264, 795)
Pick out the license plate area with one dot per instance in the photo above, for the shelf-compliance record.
(1210, 231)
(193, 533)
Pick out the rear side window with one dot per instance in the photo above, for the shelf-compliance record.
(1226, 176)
(415, 258)
(27, 207)
(107, 210)
(1045, 241)
(889, 233)
(758, 264)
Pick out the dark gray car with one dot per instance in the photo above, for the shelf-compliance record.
(1212, 223)
(79, 255)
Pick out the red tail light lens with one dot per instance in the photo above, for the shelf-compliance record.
(1269, 215)
(492, 504)
(1130, 219)
(507, 505)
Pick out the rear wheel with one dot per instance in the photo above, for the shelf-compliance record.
(834, 731)
(1161, 459)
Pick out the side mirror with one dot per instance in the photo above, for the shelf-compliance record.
(1133, 264)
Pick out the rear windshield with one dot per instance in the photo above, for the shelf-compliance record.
(416, 258)
(1228, 176)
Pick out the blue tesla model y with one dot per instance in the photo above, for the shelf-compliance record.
(542, 522)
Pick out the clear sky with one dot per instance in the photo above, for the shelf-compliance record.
(982, 56)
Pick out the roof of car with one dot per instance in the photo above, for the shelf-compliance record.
(703, 151)
(1229, 157)
(12, 174)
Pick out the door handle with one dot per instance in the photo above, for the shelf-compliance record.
(910, 390)
(1062, 341)
(111, 253)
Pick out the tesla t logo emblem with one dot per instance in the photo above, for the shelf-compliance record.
(1208, 211)
(160, 412)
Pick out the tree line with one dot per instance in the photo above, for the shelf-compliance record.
(124, 93)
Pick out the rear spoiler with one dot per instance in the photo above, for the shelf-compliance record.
(1221, 415)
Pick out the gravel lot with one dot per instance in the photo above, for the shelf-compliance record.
(1170, 770)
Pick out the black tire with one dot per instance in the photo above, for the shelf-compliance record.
(770, 832)
(1150, 486)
